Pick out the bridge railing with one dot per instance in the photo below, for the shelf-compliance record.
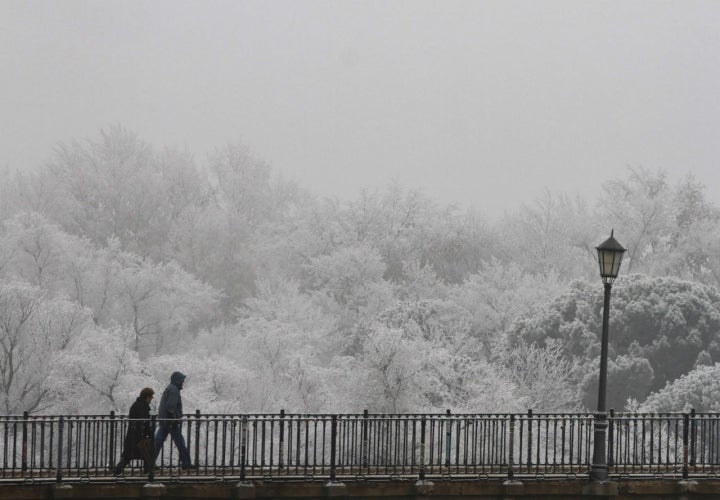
(285, 446)
(661, 444)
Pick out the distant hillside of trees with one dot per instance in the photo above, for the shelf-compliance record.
(120, 263)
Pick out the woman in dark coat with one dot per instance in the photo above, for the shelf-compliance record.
(138, 440)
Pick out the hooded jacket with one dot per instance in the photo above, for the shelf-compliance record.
(171, 402)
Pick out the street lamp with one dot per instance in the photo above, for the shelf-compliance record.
(610, 254)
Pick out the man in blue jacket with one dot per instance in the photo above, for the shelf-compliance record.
(169, 419)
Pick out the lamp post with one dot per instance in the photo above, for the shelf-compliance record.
(610, 254)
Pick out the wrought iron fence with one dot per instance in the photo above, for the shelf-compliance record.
(326, 446)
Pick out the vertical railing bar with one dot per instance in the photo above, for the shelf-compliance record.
(423, 424)
(315, 447)
(448, 435)
(387, 450)
(243, 447)
(529, 440)
(611, 440)
(652, 443)
(476, 422)
(547, 437)
(61, 427)
(69, 442)
(24, 442)
(628, 435)
(293, 445)
(281, 443)
(307, 445)
(271, 460)
(51, 443)
(197, 438)
(364, 449)
(572, 442)
(333, 443)
(6, 446)
(511, 448)
(233, 437)
(693, 434)
(298, 443)
(219, 425)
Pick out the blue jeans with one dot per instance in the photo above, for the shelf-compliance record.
(174, 430)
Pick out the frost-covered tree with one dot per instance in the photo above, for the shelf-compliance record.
(286, 344)
(543, 377)
(12, 192)
(93, 277)
(282, 364)
(455, 370)
(498, 294)
(158, 300)
(100, 371)
(161, 302)
(349, 283)
(638, 209)
(393, 221)
(699, 389)
(456, 244)
(389, 369)
(35, 251)
(660, 223)
(34, 331)
(552, 233)
(118, 186)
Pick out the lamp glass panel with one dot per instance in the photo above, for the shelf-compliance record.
(609, 262)
(616, 263)
(606, 259)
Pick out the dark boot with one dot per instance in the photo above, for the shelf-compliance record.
(120, 467)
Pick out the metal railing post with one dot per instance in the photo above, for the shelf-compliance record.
(423, 424)
(243, 446)
(529, 439)
(197, 438)
(61, 428)
(511, 447)
(448, 436)
(152, 424)
(24, 443)
(686, 432)
(111, 442)
(693, 437)
(364, 448)
(281, 445)
(611, 438)
(333, 444)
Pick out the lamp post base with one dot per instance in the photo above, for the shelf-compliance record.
(598, 473)
(599, 469)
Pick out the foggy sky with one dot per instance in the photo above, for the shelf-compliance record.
(479, 103)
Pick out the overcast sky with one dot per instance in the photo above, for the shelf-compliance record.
(480, 103)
